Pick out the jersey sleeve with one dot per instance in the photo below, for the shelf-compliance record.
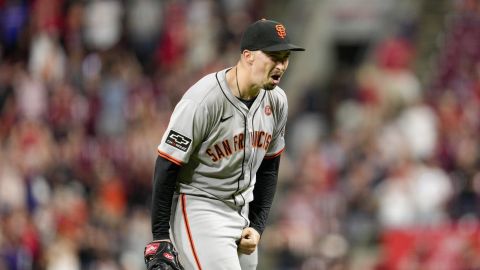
(184, 132)
(277, 145)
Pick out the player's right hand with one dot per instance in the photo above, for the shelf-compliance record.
(161, 255)
(248, 241)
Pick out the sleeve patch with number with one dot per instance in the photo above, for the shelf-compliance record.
(178, 140)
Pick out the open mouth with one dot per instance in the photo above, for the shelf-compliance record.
(276, 78)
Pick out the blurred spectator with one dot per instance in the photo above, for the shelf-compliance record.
(13, 16)
(12, 189)
(113, 94)
(103, 24)
(419, 119)
(144, 22)
(47, 59)
(31, 96)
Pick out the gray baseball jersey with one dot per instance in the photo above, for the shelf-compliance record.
(221, 143)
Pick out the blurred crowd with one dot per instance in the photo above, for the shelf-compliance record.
(377, 165)
(383, 172)
(86, 90)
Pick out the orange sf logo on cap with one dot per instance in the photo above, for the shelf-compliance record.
(281, 31)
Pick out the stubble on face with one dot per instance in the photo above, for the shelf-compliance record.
(269, 86)
(274, 75)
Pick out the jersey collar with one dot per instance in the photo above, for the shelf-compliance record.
(222, 77)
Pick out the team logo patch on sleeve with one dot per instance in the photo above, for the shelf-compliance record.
(178, 141)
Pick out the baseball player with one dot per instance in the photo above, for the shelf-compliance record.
(217, 165)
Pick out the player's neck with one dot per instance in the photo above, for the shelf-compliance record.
(237, 80)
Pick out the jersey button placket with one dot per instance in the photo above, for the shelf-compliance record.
(251, 149)
(248, 148)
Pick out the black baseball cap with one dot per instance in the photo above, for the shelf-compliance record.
(267, 35)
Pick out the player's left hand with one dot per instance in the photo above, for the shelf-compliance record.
(249, 241)
(161, 255)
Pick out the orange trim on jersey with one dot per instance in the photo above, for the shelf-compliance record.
(275, 155)
(189, 233)
(169, 158)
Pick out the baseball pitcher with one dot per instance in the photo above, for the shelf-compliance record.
(218, 160)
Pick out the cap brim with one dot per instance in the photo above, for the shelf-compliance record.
(283, 47)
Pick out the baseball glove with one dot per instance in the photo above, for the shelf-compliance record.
(161, 255)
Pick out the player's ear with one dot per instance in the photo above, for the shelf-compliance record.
(249, 56)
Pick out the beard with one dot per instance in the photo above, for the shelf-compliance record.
(269, 86)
